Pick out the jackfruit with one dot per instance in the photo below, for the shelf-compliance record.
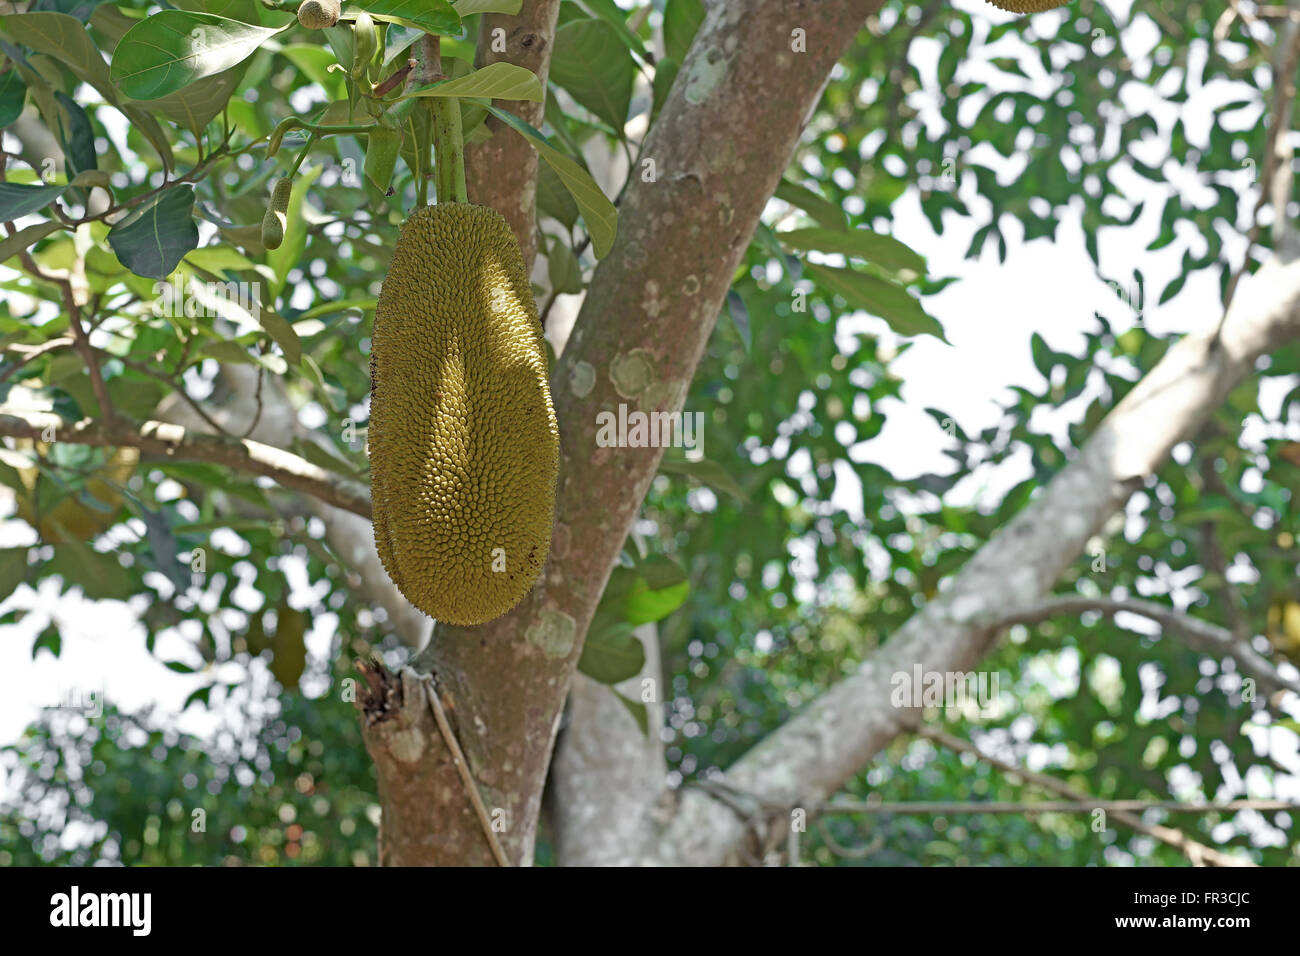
(1028, 6)
(276, 218)
(83, 514)
(464, 446)
(318, 14)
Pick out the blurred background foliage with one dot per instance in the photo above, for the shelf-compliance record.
(789, 586)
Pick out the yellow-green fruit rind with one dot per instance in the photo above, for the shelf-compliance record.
(1028, 6)
(464, 446)
(276, 219)
(318, 14)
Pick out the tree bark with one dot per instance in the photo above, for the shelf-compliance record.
(720, 145)
(502, 171)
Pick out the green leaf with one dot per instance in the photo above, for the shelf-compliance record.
(467, 7)
(592, 63)
(640, 713)
(665, 75)
(884, 251)
(64, 38)
(13, 570)
(660, 588)
(563, 269)
(24, 238)
(156, 236)
(706, 471)
(13, 93)
(81, 9)
(739, 313)
(17, 200)
(201, 695)
(50, 640)
(77, 137)
(282, 333)
(611, 13)
(498, 81)
(99, 576)
(612, 654)
(597, 211)
(553, 199)
(196, 105)
(430, 16)
(822, 210)
(172, 49)
(682, 18)
(889, 301)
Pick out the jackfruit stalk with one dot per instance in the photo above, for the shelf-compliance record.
(464, 445)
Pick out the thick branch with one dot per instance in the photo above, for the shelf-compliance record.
(813, 755)
(1199, 635)
(175, 443)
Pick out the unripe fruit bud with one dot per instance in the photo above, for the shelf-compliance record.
(318, 14)
(364, 44)
(275, 220)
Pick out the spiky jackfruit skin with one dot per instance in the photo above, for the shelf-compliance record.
(464, 446)
(1028, 6)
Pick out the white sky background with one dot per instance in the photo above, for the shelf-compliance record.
(989, 316)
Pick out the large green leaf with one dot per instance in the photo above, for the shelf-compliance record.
(13, 93)
(64, 38)
(682, 18)
(616, 17)
(612, 653)
(17, 200)
(430, 16)
(196, 105)
(891, 302)
(593, 64)
(825, 212)
(156, 236)
(24, 238)
(172, 49)
(467, 7)
(706, 471)
(597, 211)
(498, 81)
(884, 251)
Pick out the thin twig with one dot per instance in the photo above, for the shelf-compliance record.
(1198, 853)
(81, 341)
(462, 766)
(1200, 635)
(33, 354)
(170, 442)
